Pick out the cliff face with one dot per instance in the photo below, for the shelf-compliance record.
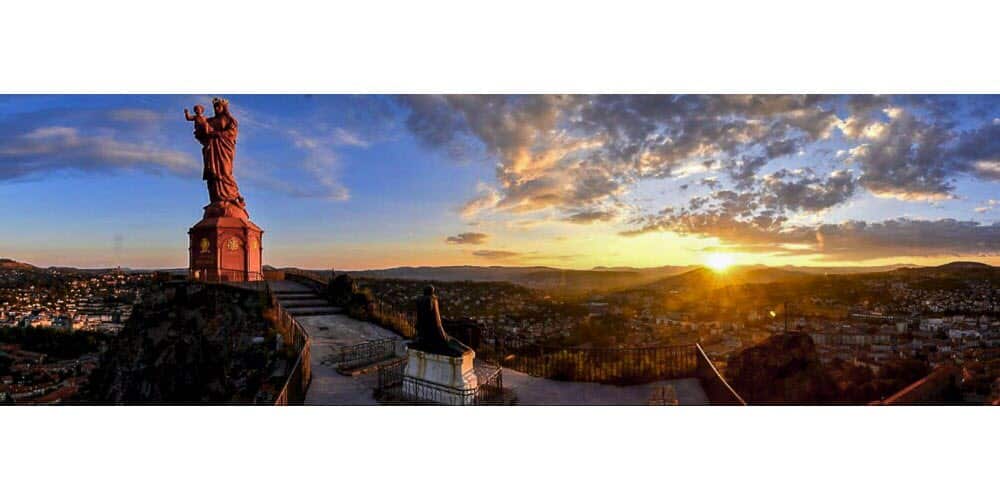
(782, 369)
(192, 343)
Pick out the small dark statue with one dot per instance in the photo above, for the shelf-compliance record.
(431, 336)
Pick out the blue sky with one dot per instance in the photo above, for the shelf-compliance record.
(571, 181)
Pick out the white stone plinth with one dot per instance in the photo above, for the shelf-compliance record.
(449, 380)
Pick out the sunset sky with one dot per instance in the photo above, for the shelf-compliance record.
(356, 182)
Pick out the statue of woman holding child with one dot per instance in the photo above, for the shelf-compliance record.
(217, 135)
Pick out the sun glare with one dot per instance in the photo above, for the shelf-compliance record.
(719, 262)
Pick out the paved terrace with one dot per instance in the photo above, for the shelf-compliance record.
(330, 329)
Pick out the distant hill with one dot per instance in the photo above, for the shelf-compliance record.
(539, 277)
(964, 266)
(953, 271)
(706, 279)
(621, 278)
(15, 265)
(847, 269)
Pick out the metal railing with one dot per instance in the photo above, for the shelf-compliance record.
(293, 334)
(223, 275)
(297, 383)
(938, 387)
(387, 316)
(390, 376)
(719, 391)
(395, 387)
(490, 389)
(622, 366)
(363, 354)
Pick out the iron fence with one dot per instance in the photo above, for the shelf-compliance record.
(297, 382)
(623, 366)
(385, 315)
(295, 336)
(225, 275)
(394, 387)
(390, 376)
(363, 354)
(719, 391)
(490, 389)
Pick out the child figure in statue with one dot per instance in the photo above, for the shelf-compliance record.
(201, 126)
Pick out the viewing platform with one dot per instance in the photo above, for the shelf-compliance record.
(354, 362)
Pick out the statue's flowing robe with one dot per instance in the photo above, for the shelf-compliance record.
(431, 336)
(219, 151)
(430, 331)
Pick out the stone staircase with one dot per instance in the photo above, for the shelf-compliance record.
(304, 302)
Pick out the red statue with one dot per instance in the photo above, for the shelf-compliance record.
(224, 245)
(217, 136)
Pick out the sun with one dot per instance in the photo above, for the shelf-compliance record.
(719, 262)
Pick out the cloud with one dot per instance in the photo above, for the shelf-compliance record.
(468, 239)
(979, 149)
(495, 254)
(33, 145)
(577, 153)
(898, 237)
(804, 191)
(591, 216)
(486, 199)
(54, 148)
(320, 162)
(846, 241)
(987, 206)
(709, 182)
(342, 136)
(906, 157)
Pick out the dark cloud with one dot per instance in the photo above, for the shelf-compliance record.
(591, 216)
(468, 239)
(495, 254)
(433, 121)
(804, 191)
(851, 240)
(905, 157)
(709, 182)
(979, 149)
(866, 240)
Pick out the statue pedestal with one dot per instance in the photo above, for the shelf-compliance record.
(448, 380)
(225, 249)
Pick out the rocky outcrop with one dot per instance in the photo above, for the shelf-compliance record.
(193, 343)
(782, 369)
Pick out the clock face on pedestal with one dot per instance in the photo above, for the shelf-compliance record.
(232, 244)
(205, 245)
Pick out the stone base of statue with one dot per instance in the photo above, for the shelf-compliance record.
(225, 246)
(440, 378)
